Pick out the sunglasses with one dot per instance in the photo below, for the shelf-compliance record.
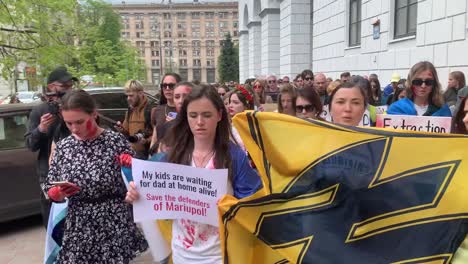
(308, 108)
(222, 94)
(419, 82)
(308, 78)
(279, 81)
(257, 86)
(168, 86)
(271, 81)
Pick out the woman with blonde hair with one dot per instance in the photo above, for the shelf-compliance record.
(259, 87)
(423, 94)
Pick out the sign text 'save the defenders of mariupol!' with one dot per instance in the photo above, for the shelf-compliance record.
(173, 191)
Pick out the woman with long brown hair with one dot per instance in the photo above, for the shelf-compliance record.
(200, 138)
(423, 94)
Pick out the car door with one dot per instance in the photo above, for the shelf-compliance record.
(19, 191)
(112, 105)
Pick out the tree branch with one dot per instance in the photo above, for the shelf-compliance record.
(18, 30)
(14, 47)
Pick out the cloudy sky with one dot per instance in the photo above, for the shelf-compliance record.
(166, 1)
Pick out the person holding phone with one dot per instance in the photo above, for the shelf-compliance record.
(99, 226)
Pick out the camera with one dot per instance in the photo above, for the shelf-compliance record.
(137, 137)
(54, 107)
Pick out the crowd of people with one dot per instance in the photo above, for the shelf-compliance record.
(192, 126)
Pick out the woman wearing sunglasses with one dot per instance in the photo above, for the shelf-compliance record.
(423, 94)
(259, 89)
(308, 104)
(161, 113)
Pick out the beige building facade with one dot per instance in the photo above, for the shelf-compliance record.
(179, 37)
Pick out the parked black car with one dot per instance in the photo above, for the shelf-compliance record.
(19, 191)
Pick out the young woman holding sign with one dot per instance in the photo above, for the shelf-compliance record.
(423, 94)
(99, 227)
(200, 138)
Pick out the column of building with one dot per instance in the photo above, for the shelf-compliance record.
(243, 55)
(270, 18)
(295, 36)
(255, 48)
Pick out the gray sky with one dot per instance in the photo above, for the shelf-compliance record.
(166, 1)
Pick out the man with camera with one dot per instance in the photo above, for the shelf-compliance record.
(45, 123)
(137, 124)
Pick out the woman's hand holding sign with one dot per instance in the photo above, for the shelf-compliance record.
(132, 194)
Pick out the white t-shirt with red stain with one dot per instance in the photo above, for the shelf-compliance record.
(194, 242)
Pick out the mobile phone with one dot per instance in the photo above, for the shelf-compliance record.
(172, 114)
(61, 183)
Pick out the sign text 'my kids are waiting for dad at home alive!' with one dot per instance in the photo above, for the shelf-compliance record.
(172, 191)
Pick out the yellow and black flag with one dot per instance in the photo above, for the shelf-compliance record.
(334, 194)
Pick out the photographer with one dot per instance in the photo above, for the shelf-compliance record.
(44, 124)
(137, 124)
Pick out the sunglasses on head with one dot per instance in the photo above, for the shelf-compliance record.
(419, 82)
(168, 86)
(308, 108)
(308, 78)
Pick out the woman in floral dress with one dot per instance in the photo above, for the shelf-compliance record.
(99, 226)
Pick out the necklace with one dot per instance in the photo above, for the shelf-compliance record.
(204, 159)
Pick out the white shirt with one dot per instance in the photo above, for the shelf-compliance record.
(421, 110)
(194, 242)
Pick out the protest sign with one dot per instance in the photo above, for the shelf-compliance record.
(434, 124)
(172, 191)
(270, 107)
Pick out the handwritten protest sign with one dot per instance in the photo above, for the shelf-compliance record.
(432, 124)
(172, 191)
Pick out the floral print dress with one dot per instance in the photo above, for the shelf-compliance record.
(99, 226)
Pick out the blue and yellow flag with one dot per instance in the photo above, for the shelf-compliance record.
(336, 194)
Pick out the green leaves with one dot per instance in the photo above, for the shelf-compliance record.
(83, 35)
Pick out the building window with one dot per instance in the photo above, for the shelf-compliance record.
(139, 16)
(168, 52)
(181, 15)
(196, 52)
(223, 15)
(156, 76)
(126, 26)
(167, 15)
(195, 15)
(155, 53)
(196, 62)
(209, 25)
(153, 16)
(195, 34)
(167, 34)
(209, 15)
(235, 33)
(140, 34)
(235, 24)
(210, 75)
(196, 43)
(154, 27)
(235, 15)
(195, 25)
(125, 34)
(197, 74)
(141, 52)
(210, 63)
(182, 53)
(182, 34)
(210, 52)
(183, 74)
(405, 18)
(154, 44)
(140, 43)
(155, 63)
(223, 24)
(183, 62)
(181, 26)
(139, 25)
(167, 26)
(354, 38)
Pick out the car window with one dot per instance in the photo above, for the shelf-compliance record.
(110, 100)
(12, 130)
